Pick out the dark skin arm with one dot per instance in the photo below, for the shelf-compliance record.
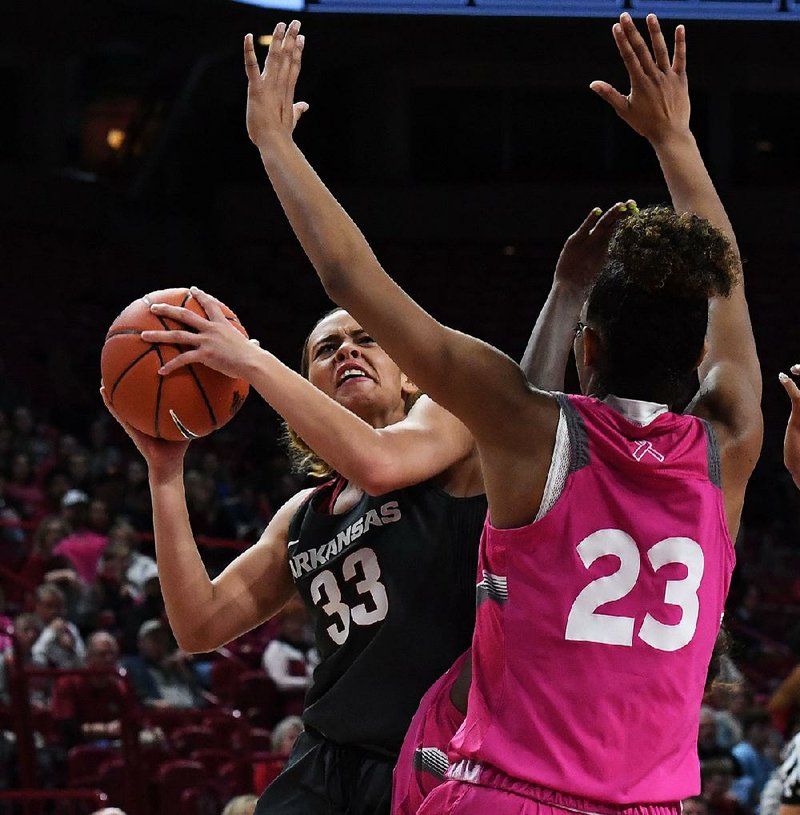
(657, 108)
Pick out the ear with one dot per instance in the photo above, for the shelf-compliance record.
(407, 387)
(592, 348)
(703, 353)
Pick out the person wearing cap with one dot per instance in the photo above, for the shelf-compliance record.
(83, 547)
(159, 673)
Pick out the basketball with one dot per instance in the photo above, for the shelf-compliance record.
(185, 404)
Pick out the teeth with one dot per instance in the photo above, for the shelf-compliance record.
(353, 372)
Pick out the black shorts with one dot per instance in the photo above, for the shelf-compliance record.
(322, 778)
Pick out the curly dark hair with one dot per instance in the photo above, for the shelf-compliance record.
(650, 302)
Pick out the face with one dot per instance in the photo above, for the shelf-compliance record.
(102, 651)
(49, 607)
(348, 365)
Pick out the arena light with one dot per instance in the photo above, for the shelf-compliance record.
(115, 138)
(289, 5)
(265, 39)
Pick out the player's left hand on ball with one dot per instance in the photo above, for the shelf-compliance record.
(271, 109)
(213, 341)
(159, 454)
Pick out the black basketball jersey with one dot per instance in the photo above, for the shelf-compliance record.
(391, 587)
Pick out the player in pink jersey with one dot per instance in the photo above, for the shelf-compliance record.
(607, 561)
(423, 761)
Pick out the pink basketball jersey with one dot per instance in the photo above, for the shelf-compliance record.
(596, 623)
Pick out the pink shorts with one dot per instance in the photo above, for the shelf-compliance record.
(423, 757)
(500, 795)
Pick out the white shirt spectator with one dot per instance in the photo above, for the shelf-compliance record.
(289, 667)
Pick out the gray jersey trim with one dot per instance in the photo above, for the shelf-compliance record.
(492, 587)
(714, 466)
(431, 760)
(578, 438)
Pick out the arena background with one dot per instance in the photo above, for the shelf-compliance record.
(466, 147)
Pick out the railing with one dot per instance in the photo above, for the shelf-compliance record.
(19, 675)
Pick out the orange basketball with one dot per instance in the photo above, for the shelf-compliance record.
(185, 404)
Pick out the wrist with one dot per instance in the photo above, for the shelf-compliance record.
(273, 143)
(166, 473)
(568, 293)
(672, 138)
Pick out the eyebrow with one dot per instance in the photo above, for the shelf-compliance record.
(337, 337)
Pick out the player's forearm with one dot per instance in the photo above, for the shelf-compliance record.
(334, 244)
(547, 353)
(730, 333)
(187, 589)
(689, 183)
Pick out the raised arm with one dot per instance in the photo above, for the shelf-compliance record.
(474, 381)
(478, 384)
(544, 362)
(658, 108)
(428, 443)
(205, 613)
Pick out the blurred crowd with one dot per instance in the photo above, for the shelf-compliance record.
(79, 589)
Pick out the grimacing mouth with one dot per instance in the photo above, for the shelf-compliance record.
(351, 370)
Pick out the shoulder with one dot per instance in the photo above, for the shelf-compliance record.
(729, 402)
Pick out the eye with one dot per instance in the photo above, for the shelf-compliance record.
(323, 350)
(365, 339)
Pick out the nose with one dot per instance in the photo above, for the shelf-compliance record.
(347, 349)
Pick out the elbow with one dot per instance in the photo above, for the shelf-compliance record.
(195, 641)
(380, 477)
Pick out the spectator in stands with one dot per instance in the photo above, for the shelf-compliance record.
(285, 735)
(151, 607)
(696, 805)
(716, 780)
(110, 598)
(756, 766)
(241, 805)
(140, 568)
(12, 537)
(60, 644)
(290, 658)
(160, 672)
(88, 708)
(27, 628)
(22, 489)
(708, 743)
(88, 539)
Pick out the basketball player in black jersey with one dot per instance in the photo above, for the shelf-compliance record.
(384, 552)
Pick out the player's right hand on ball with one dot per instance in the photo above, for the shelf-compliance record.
(160, 454)
(213, 341)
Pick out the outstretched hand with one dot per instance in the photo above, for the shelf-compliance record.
(271, 109)
(585, 250)
(657, 106)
